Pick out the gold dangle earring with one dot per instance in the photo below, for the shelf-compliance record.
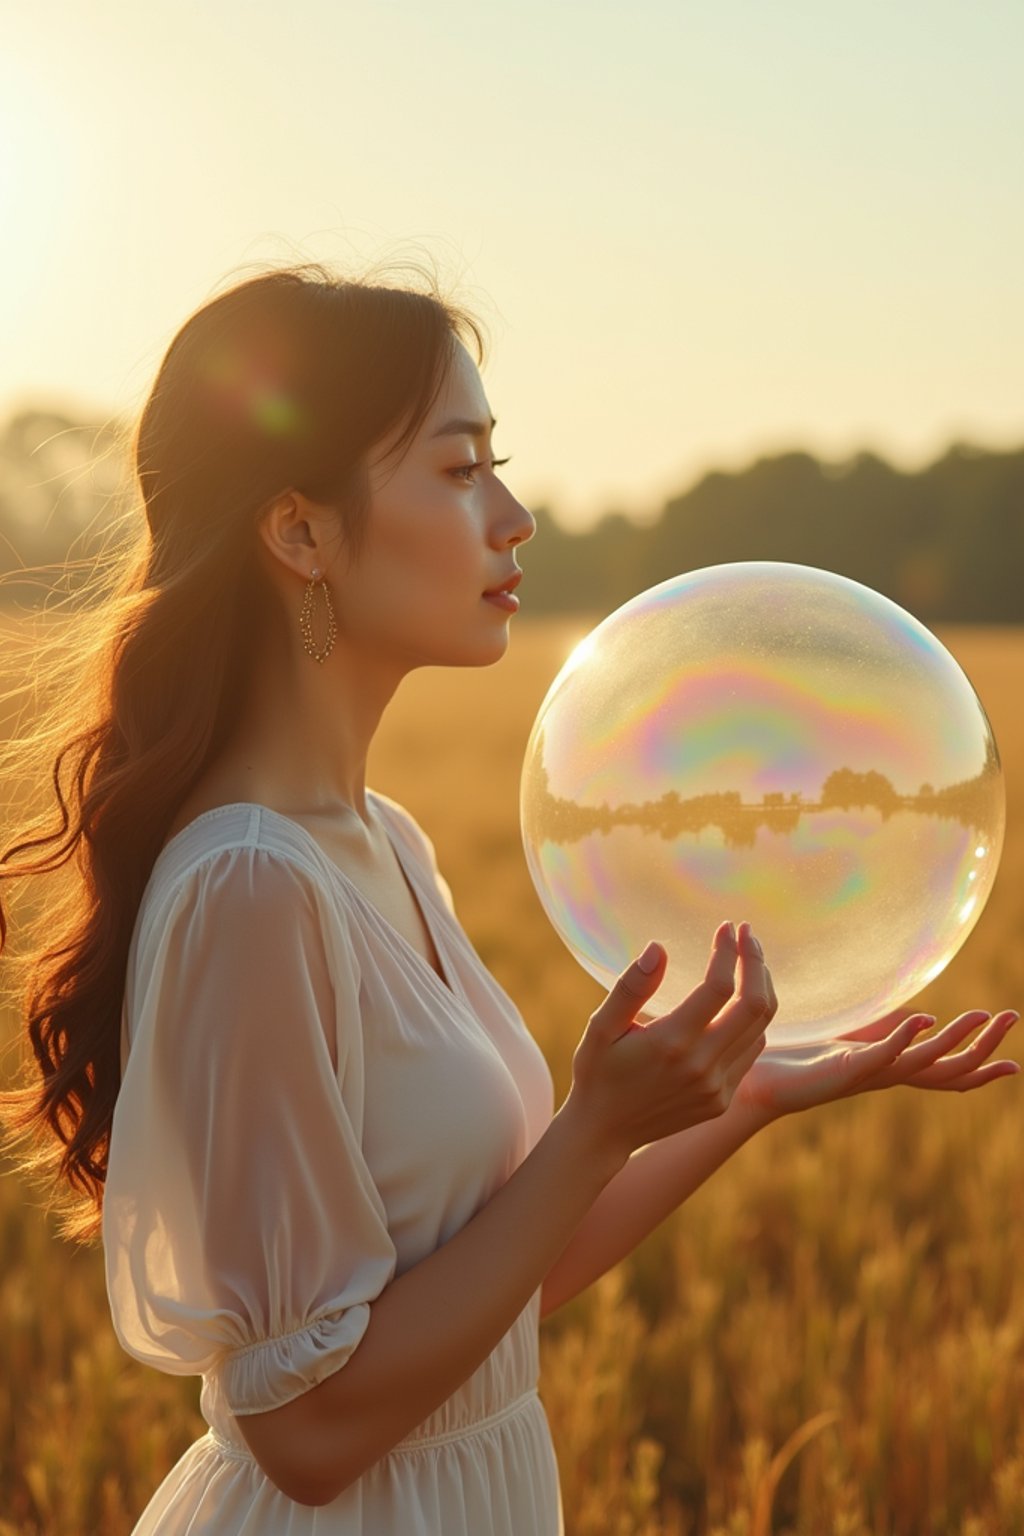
(306, 619)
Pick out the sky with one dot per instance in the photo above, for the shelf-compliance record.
(696, 231)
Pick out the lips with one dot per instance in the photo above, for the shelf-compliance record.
(508, 585)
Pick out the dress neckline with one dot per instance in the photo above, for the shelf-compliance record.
(408, 870)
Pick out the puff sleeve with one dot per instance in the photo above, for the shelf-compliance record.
(244, 1238)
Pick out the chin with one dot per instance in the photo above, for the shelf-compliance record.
(484, 652)
(485, 656)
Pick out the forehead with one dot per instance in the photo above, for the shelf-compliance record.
(461, 397)
(462, 393)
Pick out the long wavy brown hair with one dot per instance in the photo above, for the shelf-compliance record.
(130, 689)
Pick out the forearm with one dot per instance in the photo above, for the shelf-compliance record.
(432, 1327)
(655, 1180)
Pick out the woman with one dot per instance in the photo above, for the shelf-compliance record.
(335, 1185)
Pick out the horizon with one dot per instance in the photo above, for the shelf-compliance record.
(643, 517)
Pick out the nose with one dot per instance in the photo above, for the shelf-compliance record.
(514, 523)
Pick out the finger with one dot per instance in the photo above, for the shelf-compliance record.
(866, 1061)
(968, 1080)
(773, 1001)
(740, 1047)
(707, 999)
(742, 1063)
(941, 1064)
(883, 1026)
(637, 983)
(744, 1017)
(925, 1052)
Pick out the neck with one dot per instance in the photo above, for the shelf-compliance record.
(306, 730)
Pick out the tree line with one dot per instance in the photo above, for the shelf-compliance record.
(945, 542)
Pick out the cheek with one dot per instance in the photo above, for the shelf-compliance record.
(439, 539)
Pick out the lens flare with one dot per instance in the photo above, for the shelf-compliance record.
(249, 388)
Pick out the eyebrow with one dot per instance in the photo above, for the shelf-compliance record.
(460, 427)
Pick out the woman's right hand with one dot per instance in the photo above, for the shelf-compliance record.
(635, 1083)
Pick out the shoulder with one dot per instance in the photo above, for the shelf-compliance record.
(248, 920)
(243, 868)
(257, 861)
(405, 824)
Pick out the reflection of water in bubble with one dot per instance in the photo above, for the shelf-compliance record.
(776, 744)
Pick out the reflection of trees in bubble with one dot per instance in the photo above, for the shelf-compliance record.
(558, 820)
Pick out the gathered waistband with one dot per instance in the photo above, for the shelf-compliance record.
(418, 1440)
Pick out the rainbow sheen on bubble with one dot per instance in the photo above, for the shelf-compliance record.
(771, 743)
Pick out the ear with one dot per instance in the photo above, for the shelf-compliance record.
(290, 530)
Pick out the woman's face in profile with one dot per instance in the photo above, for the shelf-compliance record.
(441, 530)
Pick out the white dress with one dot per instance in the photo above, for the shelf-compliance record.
(307, 1110)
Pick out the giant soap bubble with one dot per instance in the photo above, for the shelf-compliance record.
(770, 743)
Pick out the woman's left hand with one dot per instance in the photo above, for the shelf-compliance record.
(880, 1055)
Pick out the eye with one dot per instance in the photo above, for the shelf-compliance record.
(465, 471)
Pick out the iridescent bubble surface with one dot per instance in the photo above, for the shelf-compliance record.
(770, 743)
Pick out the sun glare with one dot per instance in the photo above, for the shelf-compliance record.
(578, 651)
(40, 158)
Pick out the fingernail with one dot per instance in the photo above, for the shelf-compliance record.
(648, 961)
(925, 1022)
(732, 932)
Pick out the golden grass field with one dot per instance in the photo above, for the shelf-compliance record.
(827, 1340)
